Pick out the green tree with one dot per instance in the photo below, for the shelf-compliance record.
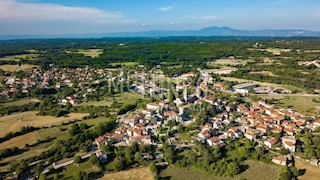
(76, 160)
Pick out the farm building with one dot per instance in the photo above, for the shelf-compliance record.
(244, 88)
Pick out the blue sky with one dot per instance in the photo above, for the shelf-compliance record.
(102, 16)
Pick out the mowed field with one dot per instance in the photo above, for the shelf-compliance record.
(12, 68)
(125, 64)
(15, 122)
(20, 102)
(227, 61)
(121, 98)
(312, 172)
(302, 103)
(19, 57)
(31, 138)
(131, 174)
(90, 52)
(20, 141)
(275, 51)
(256, 170)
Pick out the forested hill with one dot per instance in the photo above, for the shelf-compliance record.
(205, 32)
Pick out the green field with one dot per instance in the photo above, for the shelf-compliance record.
(256, 170)
(20, 102)
(125, 64)
(90, 52)
(228, 61)
(30, 138)
(32, 56)
(69, 171)
(121, 98)
(302, 103)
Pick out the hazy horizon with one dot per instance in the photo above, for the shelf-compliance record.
(55, 17)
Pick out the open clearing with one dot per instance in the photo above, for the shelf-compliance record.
(19, 57)
(91, 52)
(125, 64)
(20, 102)
(131, 174)
(20, 141)
(302, 103)
(287, 87)
(255, 169)
(228, 61)
(274, 51)
(265, 73)
(15, 122)
(12, 68)
(312, 172)
(121, 98)
(31, 138)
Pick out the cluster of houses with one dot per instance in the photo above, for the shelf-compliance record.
(260, 122)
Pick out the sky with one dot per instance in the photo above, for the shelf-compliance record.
(54, 17)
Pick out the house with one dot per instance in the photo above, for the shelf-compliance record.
(279, 160)
(218, 86)
(171, 114)
(250, 135)
(118, 137)
(271, 142)
(209, 99)
(183, 110)
(102, 157)
(316, 124)
(153, 106)
(289, 146)
(99, 140)
(215, 141)
(262, 129)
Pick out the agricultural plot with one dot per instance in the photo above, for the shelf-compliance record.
(91, 52)
(20, 57)
(125, 64)
(303, 103)
(255, 169)
(311, 172)
(20, 141)
(31, 138)
(20, 102)
(228, 61)
(265, 73)
(121, 98)
(15, 122)
(12, 68)
(274, 51)
(131, 174)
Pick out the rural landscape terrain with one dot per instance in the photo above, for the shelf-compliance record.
(160, 108)
(159, 90)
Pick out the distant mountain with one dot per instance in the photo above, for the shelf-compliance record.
(210, 31)
(219, 31)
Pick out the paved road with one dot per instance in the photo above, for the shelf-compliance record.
(66, 163)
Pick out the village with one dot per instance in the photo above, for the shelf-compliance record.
(212, 113)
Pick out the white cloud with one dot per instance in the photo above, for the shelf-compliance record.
(144, 24)
(204, 18)
(166, 9)
(175, 23)
(27, 11)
